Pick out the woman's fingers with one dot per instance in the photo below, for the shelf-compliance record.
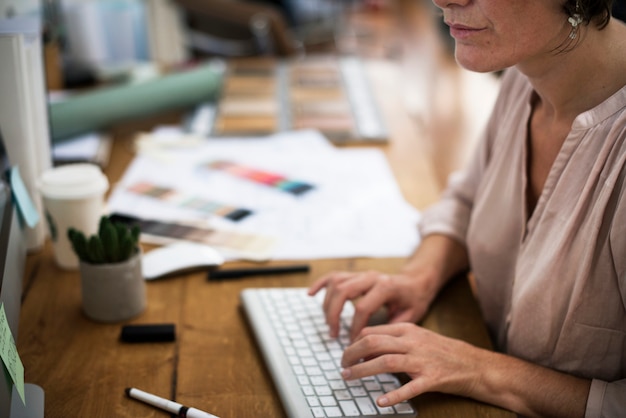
(340, 288)
(403, 393)
(369, 303)
(373, 342)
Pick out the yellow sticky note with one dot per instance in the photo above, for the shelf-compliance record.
(9, 355)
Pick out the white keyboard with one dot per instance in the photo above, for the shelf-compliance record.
(304, 360)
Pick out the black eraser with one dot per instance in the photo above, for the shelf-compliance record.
(147, 333)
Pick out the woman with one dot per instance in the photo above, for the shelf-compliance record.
(539, 217)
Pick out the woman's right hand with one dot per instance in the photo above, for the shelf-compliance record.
(369, 291)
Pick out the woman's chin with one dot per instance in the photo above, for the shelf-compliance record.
(476, 62)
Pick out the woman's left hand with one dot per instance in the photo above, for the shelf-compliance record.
(432, 361)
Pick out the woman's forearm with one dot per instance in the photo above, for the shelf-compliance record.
(438, 258)
(527, 388)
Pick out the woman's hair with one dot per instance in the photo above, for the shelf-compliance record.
(597, 11)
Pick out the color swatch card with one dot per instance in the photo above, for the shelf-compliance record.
(231, 244)
(327, 93)
(184, 200)
(276, 181)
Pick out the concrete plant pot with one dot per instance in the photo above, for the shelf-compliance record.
(113, 292)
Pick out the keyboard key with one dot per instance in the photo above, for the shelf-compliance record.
(337, 384)
(343, 395)
(323, 390)
(333, 375)
(327, 401)
(372, 386)
(404, 408)
(328, 365)
(309, 361)
(386, 378)
(313, 371)
(349, 408)
(388, 387)
(333, 412)
(318, 412)
(318, 380)
(313, 401)
(358, 391)
(366, 406)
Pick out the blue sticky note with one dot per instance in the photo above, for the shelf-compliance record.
(25, 204)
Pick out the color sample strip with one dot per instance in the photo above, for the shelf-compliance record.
(277, 181)
(247, 245)
(189, 202)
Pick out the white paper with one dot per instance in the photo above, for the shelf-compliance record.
(355, 209)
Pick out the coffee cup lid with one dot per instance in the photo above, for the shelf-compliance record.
(73, 181)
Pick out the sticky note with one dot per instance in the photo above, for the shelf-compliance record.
(9, 355)
(24, 202)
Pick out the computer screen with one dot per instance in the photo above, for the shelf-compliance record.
(10, 278)
(12, 263)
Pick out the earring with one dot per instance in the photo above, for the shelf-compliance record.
(575, 20)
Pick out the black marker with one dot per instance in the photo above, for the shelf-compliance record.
(167, 405)
(256, 271)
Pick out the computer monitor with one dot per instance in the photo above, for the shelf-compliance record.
(12, 262)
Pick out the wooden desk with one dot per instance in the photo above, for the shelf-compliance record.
(214, 363)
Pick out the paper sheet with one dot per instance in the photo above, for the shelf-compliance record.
(355, 209)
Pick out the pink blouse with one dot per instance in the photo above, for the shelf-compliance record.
(552, 287)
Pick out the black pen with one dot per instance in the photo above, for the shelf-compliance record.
(256, 271)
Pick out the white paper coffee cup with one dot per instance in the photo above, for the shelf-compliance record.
(73, 197)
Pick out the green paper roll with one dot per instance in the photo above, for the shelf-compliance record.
(101, 108)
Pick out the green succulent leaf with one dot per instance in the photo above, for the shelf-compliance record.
(127, 247)
(96, 250)
(110, 243)
(79, 243)
(115, 242)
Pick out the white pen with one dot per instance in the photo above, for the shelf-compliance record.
(169, 406)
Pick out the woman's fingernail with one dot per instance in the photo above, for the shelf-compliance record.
(383, 401)
(346, 373)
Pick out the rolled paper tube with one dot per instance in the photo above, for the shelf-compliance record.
(101, 108)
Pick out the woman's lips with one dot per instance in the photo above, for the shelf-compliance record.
(459, 31)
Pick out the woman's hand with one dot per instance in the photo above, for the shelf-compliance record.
(432, 361)
(436, 363)
(369, 291)
(406, 295)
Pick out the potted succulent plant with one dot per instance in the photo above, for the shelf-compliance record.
(112, 283)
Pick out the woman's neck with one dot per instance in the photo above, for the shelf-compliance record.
(572, 82)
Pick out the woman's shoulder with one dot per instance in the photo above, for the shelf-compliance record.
(609, 115)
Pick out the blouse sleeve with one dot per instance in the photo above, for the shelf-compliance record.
(450, 216)
(606, 399)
